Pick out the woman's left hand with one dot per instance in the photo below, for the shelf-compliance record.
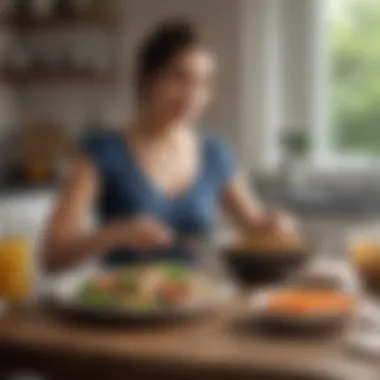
(278, 223)
(284, 223)
(239, 203)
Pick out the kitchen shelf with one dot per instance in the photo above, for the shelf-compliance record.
(61, 76)
(85, 21)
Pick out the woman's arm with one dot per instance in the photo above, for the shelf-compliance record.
(66, 243)
(240, 206)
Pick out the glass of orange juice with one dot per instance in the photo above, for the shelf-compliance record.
(364, 251)
(15, 269)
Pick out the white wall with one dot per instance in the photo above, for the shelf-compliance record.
(297, 50)
(259, 106)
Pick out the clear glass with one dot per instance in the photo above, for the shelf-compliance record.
(363, 248)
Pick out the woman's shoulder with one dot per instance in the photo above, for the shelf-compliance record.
(217, 148)
(220, 158)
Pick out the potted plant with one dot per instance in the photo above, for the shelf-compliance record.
(295, 144)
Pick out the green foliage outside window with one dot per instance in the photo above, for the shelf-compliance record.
(355, 75)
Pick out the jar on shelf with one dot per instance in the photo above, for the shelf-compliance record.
(363, 246)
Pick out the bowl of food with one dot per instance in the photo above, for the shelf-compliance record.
(264, 258)
(141, 293)
(296, 309)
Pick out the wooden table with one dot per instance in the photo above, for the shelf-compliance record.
(211, 347)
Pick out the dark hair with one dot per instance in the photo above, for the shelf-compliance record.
(165, 43)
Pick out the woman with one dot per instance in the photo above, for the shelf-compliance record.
(158, 179)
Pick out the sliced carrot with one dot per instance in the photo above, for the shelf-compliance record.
(311, 302)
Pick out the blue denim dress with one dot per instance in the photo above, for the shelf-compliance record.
(126, 191)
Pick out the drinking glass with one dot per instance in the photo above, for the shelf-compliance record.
(15, 269)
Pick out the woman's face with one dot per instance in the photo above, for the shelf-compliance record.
(184, 88)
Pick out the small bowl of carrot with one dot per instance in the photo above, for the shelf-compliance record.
(303, 309)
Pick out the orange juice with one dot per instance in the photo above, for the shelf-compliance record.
(15, 269)
(365, 255)
(3, 274)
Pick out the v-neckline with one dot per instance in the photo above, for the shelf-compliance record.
(149, 181)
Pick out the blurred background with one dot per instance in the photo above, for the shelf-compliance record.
(298, 94)
(298, 99)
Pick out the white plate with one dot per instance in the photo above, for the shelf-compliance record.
(62, 298)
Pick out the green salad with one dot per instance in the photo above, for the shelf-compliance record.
(144, 287)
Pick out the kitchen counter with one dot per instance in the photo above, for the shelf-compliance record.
(321, 199)
(212, 347)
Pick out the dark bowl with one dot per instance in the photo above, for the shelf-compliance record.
(260, 268)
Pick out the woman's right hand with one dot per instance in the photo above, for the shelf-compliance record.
(142, 232)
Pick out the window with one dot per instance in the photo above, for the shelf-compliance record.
(352, 94)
